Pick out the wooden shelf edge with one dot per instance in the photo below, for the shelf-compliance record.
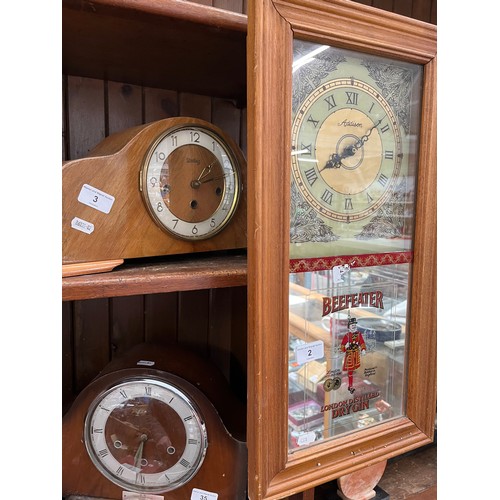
(173, 276)
(345, 456)
(177, 9)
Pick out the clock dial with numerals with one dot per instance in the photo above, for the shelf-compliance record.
(352, 151)
(191, 182)
(145, 435)
(154, 422)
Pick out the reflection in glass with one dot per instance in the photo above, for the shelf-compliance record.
(360, 379)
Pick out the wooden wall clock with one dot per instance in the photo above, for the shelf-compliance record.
(169, 187)
(152, 423)
(342, 263)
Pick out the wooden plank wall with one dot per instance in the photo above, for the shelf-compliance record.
(212, 322)
(424, 10)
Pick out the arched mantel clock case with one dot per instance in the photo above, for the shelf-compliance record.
(158, 421)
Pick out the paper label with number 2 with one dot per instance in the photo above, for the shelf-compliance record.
(310, 351)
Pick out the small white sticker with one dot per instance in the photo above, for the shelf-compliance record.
(338, 272)
(306, 438)
(130, 495)
(197, 494)
(310, 351)
(144, 362)
(82, 225)
(95, 198)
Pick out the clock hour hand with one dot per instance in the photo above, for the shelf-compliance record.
(213, 179)
(196, 183)
(206, 171)
(335, 160)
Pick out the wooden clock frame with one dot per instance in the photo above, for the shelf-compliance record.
(272, 25)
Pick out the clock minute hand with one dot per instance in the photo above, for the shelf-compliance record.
(213, 179)
(364, 137)
(138, 453)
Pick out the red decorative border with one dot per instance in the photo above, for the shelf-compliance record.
(363, 260)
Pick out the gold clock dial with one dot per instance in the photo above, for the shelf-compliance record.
(191, 182)
(347, 150)
(353, 159)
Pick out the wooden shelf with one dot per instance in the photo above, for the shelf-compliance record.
(171, 44)
(193, 273)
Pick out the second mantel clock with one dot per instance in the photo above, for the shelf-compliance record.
(342, 264)
(169, 187)
(158, 422)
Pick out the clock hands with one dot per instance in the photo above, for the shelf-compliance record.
(208, 169)
(138, 453)
(365, 137)
(335, 160)
(213, 179)
(196, 183)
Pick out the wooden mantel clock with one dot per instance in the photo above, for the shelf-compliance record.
(158, 422)
(342, 260)
(172, 186)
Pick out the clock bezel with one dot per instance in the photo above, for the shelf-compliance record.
(235, 198)
(167, 381)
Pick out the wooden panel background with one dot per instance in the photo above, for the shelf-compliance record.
(212, 322)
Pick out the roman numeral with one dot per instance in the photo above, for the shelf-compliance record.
(383, 179)
(327, 197)
(123, 393)
(352, 98)
(140, 478)
(369, 198)
(147, 389)
(185, 463)
(313, 121)
(304, 146)
(97, 431)
(192, 441)
(389, 155)
(384, 129)
(119, 471)
(311, 176)
(189, 417)
(103, 453)
(348, 204)
(331, 102)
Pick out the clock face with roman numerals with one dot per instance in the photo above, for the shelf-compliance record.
(145, 435)
(347, 149)
(353, 146)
